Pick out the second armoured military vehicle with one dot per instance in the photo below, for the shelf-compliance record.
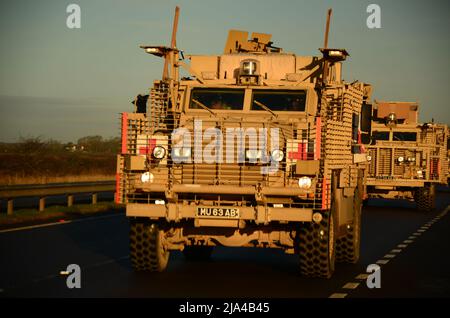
(256, 147)
(406, 159)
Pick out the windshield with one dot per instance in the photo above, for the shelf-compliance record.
(226, 99)
(380, 135)
(404, 136)
(279, 100)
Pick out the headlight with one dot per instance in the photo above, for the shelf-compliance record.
(277, 155)
(369, 158)
(400, 159)
(253, 154)
(304, 182)
(181, 152)
(336, 53)
(159, 152)
(147, 177)
(411, 159)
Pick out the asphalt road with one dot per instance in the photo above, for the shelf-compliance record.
(31, 260)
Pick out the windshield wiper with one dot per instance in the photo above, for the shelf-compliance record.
(203, 106)
(265, 108)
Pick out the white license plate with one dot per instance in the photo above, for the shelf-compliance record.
(216, 212)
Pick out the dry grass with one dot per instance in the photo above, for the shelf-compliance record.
(47, 167)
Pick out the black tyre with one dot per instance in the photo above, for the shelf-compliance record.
(198, 253)
(317, 248)
(425, 198)
(147, 249)
(348, 246)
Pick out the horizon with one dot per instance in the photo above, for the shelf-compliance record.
(64, 84)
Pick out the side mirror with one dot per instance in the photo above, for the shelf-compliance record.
(366, 123)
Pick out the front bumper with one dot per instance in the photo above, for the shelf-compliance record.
(395, 182)
(261, 213)
(258, 214)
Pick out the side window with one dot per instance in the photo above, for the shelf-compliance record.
(366, 122)
(140, 104)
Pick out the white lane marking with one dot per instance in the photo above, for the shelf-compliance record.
(350, 285)
(421, 230)
(338, 295)
(387, 258)
(362, 276)
(60, 223)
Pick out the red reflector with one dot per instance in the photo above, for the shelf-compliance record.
(145, 150)
(124, 132)
(301, 153)
(318, 138)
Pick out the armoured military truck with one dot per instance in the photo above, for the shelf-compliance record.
(406, 159)
(255, 147)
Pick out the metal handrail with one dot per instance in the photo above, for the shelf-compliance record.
(53, 189)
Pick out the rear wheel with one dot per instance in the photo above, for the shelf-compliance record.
(348, 246)
(148, 251)
(424, 198)
(198, 253)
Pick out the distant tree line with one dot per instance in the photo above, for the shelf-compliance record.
(88, 144)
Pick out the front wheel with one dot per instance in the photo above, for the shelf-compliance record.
(425, 198)
(148, 251)
(317, 248)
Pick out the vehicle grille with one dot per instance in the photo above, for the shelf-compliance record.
(384, 164)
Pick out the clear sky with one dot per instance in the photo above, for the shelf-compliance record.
(63, 83)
